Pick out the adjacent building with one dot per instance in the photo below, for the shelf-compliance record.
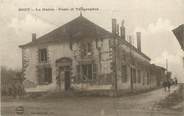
(179, 33)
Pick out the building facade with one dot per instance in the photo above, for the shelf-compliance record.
(86, 57)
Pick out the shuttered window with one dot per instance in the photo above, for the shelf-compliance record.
(138, 76)
(87, 71)
(43, 55)
(48, 75)
(86, 49)
(148, 78)
(133, 75)
(45, 75)
(144, 78)
(94, 71)
(124, 73)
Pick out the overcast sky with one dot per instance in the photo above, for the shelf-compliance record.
(154, 18)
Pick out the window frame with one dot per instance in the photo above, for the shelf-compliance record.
(80, 71)
(85, 48)
(124, 76)
(43, 55)
(45, 75)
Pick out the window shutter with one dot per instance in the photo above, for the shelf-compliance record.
(46, 55)
(50, 75)
(78, 72)
(41, 75)
(94, 71)
(39, 55)
(42, 55)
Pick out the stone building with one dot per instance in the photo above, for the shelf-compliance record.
(87, 58)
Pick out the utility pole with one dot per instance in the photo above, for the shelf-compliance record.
(114, 59)
(131, 63)
(166, 64)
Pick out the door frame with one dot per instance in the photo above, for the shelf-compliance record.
(64, 65)
(67, 80)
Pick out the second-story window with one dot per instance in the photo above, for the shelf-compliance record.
(86, 49)
(43, 55)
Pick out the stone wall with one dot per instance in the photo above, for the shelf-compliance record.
(59, 50)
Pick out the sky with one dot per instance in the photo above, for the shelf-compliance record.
(155, 19)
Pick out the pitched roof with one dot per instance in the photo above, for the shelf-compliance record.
(179, 33)
(78, 28)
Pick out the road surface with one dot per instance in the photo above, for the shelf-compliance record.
(144, 104)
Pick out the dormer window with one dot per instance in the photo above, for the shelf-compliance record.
(43, 55)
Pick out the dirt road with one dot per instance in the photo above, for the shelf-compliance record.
(138, 105)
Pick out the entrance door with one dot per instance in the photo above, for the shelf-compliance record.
(67, 80)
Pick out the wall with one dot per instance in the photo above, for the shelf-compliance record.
(59, 50)
(101, 56)
(132, 59)
(30, 61)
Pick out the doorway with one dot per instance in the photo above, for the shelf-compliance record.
(64, 65)
(67, 80)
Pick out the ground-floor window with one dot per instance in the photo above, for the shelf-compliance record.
(86, 71)
(148, 78)
(124, 73)
(138, 76)
(45, 75)
(133, 75)
(144, 78)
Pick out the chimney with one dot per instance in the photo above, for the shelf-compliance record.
(138, 34)
(33, 36)
(183, 62)
(114, 27)
(117, 29)
(122, 30)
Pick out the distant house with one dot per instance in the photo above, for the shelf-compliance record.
(159, 73)
(83, 54)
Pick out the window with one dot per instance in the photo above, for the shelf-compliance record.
(148, 79)
(133, 75)
(78, 72)
(45, 75)
(48, 75)
(89, 49)
(86, 49)
(86, 71)
(123, 73)
(138, 76)
(43, 55)
(144, 78)
(94, 71)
